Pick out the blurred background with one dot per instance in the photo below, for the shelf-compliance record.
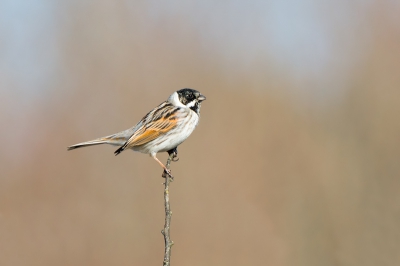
(295, 160)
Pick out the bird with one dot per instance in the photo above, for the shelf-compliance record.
(163, 129)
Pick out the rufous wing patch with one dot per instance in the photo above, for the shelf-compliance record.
(151, 131)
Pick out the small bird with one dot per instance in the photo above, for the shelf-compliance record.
(162, 129)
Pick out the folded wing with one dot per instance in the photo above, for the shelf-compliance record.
(156, 123)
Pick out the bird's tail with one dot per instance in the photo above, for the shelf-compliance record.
(87, 143)
(113, 140)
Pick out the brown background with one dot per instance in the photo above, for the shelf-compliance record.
(281, 170)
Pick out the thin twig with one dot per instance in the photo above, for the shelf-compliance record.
(168, 212)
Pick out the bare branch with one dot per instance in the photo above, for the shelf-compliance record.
(168, 212)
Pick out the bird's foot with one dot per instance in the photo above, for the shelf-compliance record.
(167, 172)
(174, 153)
(175, 157)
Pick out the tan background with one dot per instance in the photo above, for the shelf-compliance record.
(293, 163)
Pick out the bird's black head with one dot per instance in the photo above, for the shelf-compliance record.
(191, 98)
(186, 96)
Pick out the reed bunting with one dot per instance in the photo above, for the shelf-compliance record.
(162, 129)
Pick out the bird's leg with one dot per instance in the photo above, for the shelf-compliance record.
(166, 170)
(174, 151)
(173, 156)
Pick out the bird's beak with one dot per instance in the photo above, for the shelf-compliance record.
(201, 98)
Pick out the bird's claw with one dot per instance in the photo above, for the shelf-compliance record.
(167, 172)
(175, 157)
(174, 153)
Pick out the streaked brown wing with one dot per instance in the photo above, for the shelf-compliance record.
(151, 131)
